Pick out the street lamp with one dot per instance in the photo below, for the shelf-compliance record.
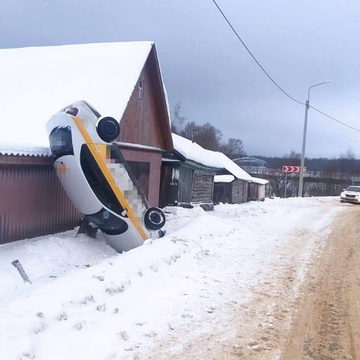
(307, 105)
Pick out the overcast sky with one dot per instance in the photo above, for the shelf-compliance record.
(205, 68)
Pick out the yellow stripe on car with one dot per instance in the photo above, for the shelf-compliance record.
(97, 153)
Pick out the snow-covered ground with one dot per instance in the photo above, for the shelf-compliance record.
(88, 302)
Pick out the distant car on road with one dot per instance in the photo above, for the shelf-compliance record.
(351, 194)
(97, 178)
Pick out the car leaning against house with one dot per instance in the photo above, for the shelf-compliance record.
(351, 194)
(97, 178)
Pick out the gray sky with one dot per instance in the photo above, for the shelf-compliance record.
(300, 42)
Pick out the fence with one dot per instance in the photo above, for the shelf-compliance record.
(32, 201)
(316, 183)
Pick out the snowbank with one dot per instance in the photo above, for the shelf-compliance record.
(122, 305)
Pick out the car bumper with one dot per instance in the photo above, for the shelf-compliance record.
(350, 200)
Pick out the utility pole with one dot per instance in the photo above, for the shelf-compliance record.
(301, 178)
(307, 106)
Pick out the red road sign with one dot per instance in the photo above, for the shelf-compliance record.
(291, 169)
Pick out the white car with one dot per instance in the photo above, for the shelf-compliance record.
(97, 178)
(351, 194)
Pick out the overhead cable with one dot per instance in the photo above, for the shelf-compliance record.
(254, 58)
(270, 77)
(334, 119)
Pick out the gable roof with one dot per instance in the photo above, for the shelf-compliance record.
(37, 82)
(194, 152)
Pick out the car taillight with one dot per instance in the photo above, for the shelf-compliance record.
(72, 111)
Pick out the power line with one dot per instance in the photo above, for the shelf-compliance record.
(269, 76)
(334, 119)
(254, 58)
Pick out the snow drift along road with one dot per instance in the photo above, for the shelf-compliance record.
(86, 302)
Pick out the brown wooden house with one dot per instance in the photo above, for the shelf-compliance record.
(122, 80)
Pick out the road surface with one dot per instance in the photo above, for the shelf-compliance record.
(300, 311)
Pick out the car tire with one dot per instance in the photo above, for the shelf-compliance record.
(108, 129)
(154, 218)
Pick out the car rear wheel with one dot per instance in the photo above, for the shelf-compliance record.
(108, 129)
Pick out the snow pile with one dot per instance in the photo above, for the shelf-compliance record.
(224, 178)
(259, 181)
(37, 82)
(124, 304)
(192, 151)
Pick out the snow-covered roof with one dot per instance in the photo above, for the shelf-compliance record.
(259, 181)
(25, 150)
(36, 82)
(224, 178)
(194, 152)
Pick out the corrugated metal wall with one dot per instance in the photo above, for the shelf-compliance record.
(32, 201)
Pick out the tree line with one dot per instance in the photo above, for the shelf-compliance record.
(345, 163)
(206, 135)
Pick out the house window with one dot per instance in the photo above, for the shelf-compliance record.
(140, 89)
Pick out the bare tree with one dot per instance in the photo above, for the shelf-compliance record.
(178, 121)
(234, 148)
(206, 135)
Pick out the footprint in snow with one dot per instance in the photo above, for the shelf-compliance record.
(27, 355)
(101, 307)
(124, 336)
(115, 290)
(87, 299)
(62, 316)
(79, 325)
(99, 277)
(40, 328)
(151, 334)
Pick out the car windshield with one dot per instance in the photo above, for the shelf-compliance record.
(353, 188)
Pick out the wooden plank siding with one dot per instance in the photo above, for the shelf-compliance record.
(185, 185)
(203, 185)
(145, 120)
(235, 192)
(257, 192)
(239, 191)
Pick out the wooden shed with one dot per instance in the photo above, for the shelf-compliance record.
(122, 80)
(187, 177)
(228, 189)
(185, 182)
(257, 189)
